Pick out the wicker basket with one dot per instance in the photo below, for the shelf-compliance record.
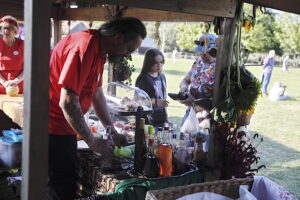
(228, 188)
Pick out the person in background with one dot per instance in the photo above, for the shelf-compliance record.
(198, 83)
(76, 69)
(153, 82)
(11, 55)
(174, 55)
(285, 64)
(268, 66)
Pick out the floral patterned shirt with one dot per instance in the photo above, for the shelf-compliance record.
(202, 79)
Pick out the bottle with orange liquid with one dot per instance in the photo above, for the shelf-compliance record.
(164, 154)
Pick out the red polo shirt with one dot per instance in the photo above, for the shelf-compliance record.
(75, 63)
(11, 62)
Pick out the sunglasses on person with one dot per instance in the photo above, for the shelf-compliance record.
(199, 43)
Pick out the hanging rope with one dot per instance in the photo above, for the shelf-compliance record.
(115, 11)
(156, 34)
(238, 48)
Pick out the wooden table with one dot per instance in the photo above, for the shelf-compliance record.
(13, 107)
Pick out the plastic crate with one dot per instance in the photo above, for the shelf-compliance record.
(10, 154)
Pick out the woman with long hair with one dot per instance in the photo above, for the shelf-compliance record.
(153, 82)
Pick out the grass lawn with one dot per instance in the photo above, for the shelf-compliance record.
(276, 122)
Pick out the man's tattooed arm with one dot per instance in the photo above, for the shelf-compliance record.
(69, 103)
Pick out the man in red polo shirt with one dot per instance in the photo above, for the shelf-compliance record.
(76, 68)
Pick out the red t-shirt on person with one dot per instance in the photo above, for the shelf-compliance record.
(11, 62)
(75, 63)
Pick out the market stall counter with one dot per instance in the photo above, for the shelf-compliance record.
(148, 163)
(112, 179)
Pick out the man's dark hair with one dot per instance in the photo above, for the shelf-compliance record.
(130, 27)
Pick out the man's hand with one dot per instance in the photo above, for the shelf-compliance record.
(105, 147)
(118, 139)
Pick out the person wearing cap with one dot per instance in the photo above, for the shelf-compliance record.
(268, 66)
(76, 69)
(198, 83)
(11, 55)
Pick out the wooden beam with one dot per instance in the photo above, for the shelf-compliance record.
(14, 8)
(100, 14)
(292, 6)
(36, 96)
(221, 8)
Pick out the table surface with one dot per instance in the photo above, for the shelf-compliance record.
(13, 107)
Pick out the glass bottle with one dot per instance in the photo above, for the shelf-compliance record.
(151, 167)
(140, 146)
(159, 135)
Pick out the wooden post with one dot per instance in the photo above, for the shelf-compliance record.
(57, 30)
(36, 97)
(225, 53)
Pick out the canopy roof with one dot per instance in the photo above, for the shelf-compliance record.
(154, 10)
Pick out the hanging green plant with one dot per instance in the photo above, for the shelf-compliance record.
(241, 86)
(122, 70)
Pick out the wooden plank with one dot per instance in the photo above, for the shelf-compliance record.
(221, 8)
(100, 14)
(225, 53)
(36, 97)
(14, 8)
(292, 6)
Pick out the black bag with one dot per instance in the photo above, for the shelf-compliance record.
(159, 115)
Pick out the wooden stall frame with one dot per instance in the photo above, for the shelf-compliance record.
(36, 70)
(36, 100)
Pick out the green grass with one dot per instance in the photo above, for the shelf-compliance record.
(276, 122)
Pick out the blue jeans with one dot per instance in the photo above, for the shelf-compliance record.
(265, 82)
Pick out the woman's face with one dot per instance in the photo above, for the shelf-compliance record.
(8, 30)
(206, 58)
(158, 63)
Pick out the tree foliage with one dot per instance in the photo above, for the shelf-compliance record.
(187, 34)
(262, 37)
(288, 32)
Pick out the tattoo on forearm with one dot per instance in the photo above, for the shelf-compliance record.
(75, 117)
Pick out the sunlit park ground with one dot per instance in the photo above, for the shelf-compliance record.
(277, 122)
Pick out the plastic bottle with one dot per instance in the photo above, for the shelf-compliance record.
(164, 154)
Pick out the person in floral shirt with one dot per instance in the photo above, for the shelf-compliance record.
(199, 81)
